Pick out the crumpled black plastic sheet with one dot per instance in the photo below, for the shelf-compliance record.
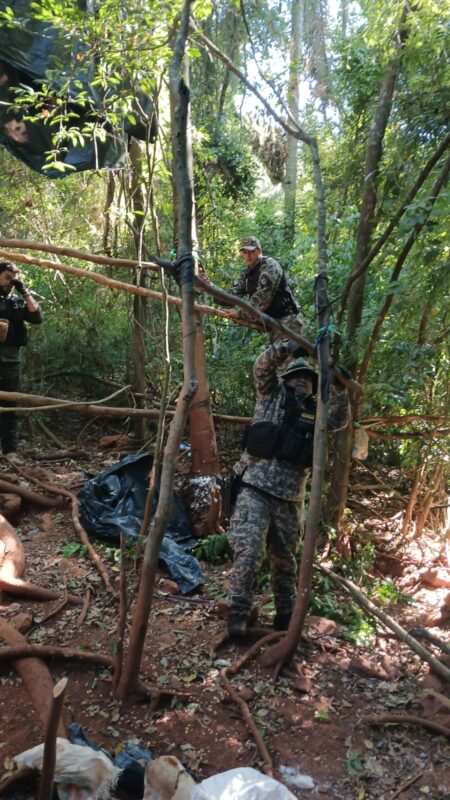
(114, 502)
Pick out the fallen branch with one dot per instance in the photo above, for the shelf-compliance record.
(390, 623)
(267, 766)
(407, 719)
(405, 785)
(82, 615)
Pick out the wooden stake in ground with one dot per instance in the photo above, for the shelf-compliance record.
(49, 757)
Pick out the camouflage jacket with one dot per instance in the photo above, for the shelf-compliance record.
(266, 286)
(280, 478)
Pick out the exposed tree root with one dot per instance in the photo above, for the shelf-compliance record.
(142, 690)
(31, 497)
(12, 567)
(35, 675)
(225, 674)
(95, 558)
(407, 719)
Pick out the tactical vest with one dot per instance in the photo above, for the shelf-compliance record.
(12, 308)
(292, 440)
(283, 302)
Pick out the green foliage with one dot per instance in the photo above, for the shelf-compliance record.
(72, 549)
(215, 549)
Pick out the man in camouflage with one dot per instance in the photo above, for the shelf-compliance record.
(263, 281)
(275, 467)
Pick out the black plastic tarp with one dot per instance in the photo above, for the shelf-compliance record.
(114, 501)
(34, 52)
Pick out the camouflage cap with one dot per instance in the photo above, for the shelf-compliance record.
(300, 365)
(250, 243)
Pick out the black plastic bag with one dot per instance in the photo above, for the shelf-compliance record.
(35, 53)
(114, 502)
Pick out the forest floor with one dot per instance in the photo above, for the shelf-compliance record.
(311, 719)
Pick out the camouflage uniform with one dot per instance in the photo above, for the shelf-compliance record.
(13, 309)
(270, 505)
(266, 286)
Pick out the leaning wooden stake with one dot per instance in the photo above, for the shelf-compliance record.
(366, 604)
(49, 757)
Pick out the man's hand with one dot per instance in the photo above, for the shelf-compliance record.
(20, 287)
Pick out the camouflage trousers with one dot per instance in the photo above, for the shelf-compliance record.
(293, 321)
(259, 521)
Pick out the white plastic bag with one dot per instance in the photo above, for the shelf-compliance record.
(89, 773)
(243, 783)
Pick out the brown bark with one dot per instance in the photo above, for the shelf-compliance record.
(374, 152)
(38, 402)
(12, 568)
(179, 97)
(49, 755)
(363, 267)
(28, 495)
(282, 652)
(139, 356)
(440, 182)
(403, 636)
(35, 675)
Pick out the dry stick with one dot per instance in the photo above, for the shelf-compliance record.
(49, 757)
(49, 434)
(95, 558)
(267, 767)
(122, 618)
(82, 615)
(407, 719)
(406, 784)
(208, 287)
(57, 607)
(390, 623)
(38, 402)
(392, 224)
(111, 282)
(437, 186)
(107, 261)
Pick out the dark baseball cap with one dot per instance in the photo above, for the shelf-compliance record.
(250, 243)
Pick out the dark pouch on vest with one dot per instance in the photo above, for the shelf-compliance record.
(296, 447)
(262, 438)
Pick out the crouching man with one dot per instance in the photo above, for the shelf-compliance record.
(276, 464)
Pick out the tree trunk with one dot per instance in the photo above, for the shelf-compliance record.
(374, 152)
(179, 104)
(139, 356)
(290, 176)
(283, 651)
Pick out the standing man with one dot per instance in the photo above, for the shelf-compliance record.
(276, 464)
(17, 306)
(263, 281)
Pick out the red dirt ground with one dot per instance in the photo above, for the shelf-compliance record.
(311, 718)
